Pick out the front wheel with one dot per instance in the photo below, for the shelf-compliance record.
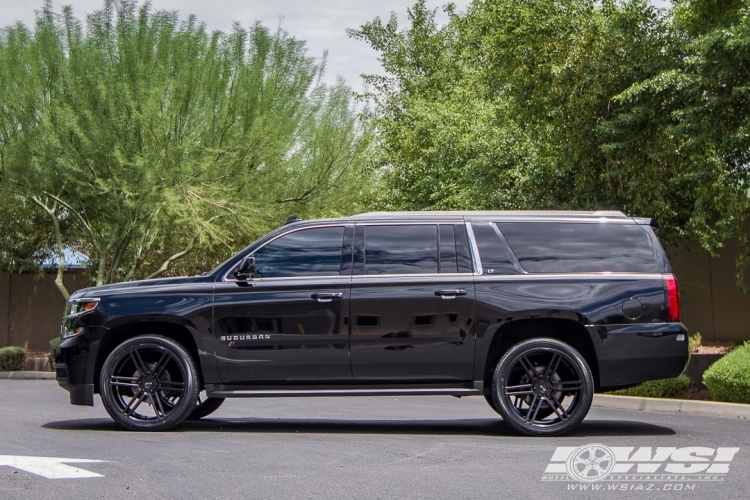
(205, 406)
(543, 387)
(149, 383)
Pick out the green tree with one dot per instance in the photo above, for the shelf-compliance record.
(144, 138)
(25, 239)
(569, 104)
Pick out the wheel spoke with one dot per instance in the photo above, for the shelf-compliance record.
(160, 365)
(518, 390)
(158, 407)
(557, 407)
(528, 367)
(117, 381)
(573, 385)
(552, 366)
(139, 364)
(137, 399)
(533, 410)
(171, 385)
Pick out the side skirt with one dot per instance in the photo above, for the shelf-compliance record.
(222, 391)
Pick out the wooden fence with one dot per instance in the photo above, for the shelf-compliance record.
(31, 306)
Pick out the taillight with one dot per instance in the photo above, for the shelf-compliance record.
(673, 298)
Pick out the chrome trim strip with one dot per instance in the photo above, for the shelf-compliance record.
(590, 219)
(347, 277)
(425, 275)
(568, 276)
(398, 222)
(509, 250)
(493, 213)
(342, 392)
(474, 250)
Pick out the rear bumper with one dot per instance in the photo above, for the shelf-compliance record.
(632, 354)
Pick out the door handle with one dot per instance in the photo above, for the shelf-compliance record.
(450, 294)
(326, 297)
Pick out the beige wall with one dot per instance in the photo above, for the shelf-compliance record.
(31, 308)
(710, 301)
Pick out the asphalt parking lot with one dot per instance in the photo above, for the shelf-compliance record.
(417, 447)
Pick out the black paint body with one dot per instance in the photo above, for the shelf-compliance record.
(358, 333)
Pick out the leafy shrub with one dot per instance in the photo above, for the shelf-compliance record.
(694, 341)
(52, 344)
(12, 358)
(665, 388)
(728, 379)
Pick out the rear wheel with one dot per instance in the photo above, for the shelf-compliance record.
(149, 383)
(542, 387)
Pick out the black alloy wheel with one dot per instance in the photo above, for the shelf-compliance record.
(205, 406)
(149, 383)
(542, 387)
(544, 412)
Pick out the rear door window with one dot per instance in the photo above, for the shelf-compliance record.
(553, 247)
(402, 249)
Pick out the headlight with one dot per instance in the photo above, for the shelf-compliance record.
(79, 307)
(75, 308)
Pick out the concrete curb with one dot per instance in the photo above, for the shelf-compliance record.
(681, 406)
(28, 375)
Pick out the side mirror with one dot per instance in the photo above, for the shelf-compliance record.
(246, 268)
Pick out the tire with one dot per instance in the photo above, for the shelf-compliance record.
(159, 400)
(491, 401)
(204, 407)
(543, 413)
(542, 387)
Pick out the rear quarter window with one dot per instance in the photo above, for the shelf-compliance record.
(553, 247)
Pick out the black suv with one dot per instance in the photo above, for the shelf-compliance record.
(535, 311)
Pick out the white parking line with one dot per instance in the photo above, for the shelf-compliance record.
(49, 467)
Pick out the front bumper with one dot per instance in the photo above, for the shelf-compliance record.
(71, 370)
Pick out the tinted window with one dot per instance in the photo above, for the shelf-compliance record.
(448, 262)
(549, 247)
(462, 249)
(407, 249)
(309, 252)
(492, 251)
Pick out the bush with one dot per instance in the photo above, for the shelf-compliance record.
(728, 379)
(694, 341)
(52, 344)
(665, 388)
(12, 358)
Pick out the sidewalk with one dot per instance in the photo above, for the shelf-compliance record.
(683, 406)
(28, 375)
